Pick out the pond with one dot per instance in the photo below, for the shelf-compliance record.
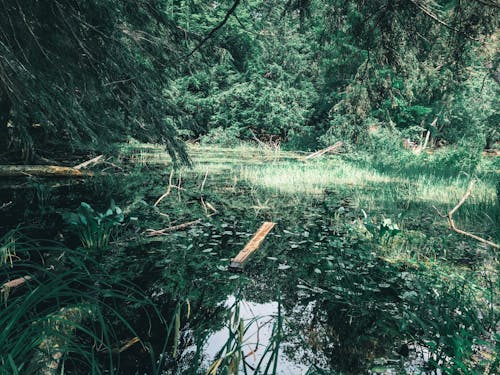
(323, 294)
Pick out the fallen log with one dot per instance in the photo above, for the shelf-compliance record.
(41, 171)
(92, 161)
(323, 151)
(240, 260)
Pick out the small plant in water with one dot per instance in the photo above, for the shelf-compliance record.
(94, 228)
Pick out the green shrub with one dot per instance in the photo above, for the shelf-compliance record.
(219, 136)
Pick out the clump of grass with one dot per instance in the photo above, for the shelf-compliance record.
(66, 314)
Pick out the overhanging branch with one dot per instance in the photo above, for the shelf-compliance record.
(216, 28)
(434, 17)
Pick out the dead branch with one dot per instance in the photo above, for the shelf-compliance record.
(41, 171)
(418, 150)
(333, 148)
(204, 181)
(6, 287)
(5, 205)
(168, 189)
(216, 28)
(161, 232)
(451, 222)
(92, 161)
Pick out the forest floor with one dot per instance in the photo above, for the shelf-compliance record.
(360, 273)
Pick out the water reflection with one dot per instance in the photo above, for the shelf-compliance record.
(258, 320)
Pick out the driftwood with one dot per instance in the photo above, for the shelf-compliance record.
(333, 148)
(92, 161)
(238, 262)
(451, 222)
(41, 171)
(9, 285)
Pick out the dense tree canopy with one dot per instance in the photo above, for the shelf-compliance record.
(306, 72)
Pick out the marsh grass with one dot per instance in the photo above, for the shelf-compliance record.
(407, 191)
(69, 314)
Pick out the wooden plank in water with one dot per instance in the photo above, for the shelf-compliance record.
(238, 262)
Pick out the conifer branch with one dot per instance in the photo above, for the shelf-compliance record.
(216, 28)
(434, 17)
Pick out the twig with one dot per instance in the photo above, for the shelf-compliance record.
(179, 182)
(15, 283)
(160, 232)
(451, 222)
(204, 180)
(168, 189)
(5, 205)
(257, 139)
(324, 151)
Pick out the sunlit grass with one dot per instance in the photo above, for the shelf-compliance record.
(311, 178)
(287, 176)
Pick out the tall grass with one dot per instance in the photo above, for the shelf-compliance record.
(69, 314)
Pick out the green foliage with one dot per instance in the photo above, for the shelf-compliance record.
(303, 72)
(94, 229)
(72, 309)
(385, 231)
(224, 137)
(81, 76)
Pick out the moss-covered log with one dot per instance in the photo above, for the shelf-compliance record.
(41, 171)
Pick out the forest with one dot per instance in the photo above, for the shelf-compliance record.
(249, 187)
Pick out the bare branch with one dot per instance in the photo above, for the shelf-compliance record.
(451, 222)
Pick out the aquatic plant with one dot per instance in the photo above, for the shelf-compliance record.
(94, 228)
